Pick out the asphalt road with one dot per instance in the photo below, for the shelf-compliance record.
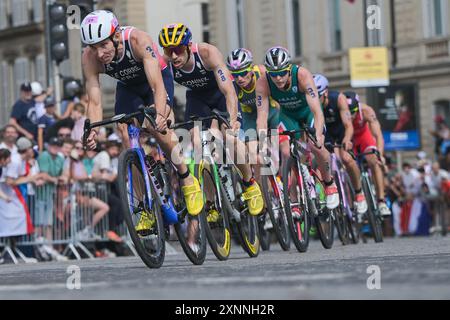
(408, 268)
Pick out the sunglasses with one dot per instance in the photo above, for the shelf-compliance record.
(241, 73)
(177, 50)
(354, 110)
(280, 73)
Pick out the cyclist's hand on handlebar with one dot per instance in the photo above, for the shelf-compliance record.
(91, 142)
(161, 123)
(382, 163)
(236, 126)
(347, 145)
(320, 140)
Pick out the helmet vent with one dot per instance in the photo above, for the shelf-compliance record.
(90, 31)
(100, 30)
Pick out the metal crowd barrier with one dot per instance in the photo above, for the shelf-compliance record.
(68, 211)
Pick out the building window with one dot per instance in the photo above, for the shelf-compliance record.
(240, 16)
(297, 25)
(38, 11)
(20, 13)
(5, 89)
(4, 14)
(335, 25)
(436, 18)
(40, 69)
(21, 73)
(205, 22)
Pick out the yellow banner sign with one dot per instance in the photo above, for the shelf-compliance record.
(369, 67)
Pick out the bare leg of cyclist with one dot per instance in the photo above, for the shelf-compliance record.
(252, 194)
(378, 178)
(254, 159)
(323, 161)
(355, 176)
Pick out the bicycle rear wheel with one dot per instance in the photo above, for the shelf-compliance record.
(295, 204)
(217, 226)
(141, 209)
(265, 235)
(273, 198)
(340, 220)
(372, 212)
(352, 223)
(248, 225)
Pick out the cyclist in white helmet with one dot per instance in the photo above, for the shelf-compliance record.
(338, 121)
(292, 86)
(130, 56)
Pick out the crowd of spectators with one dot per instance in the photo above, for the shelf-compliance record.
(42, 160)
(415, 194)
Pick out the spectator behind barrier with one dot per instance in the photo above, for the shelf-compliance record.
(23, 115)
(45, 122)
(5, 159)
(51, 163)
(9, 139)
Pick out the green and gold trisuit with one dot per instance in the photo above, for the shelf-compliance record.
(294, 109)
(248, 108)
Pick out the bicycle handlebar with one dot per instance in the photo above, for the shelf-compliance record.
(310, 133)
(148, 112)
(330, 147)
(222, 117)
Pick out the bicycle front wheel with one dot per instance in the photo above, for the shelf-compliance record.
(190, 230)
(142, 213)
(295, 204)
(324, 220)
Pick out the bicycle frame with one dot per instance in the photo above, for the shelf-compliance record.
(337, 167)
(170, 215)
(366, 176)
(297, 151)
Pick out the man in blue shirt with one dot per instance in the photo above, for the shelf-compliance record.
(23, 115)
(46, 121)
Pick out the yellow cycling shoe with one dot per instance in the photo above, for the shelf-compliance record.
(254, 198)
(145, 225)
(213, 216)
(194, 197)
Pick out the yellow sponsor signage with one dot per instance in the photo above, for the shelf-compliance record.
(369, 67)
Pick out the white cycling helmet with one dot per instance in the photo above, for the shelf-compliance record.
(321, 83)
(277, 58)
(239, 59)
(98, 26)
